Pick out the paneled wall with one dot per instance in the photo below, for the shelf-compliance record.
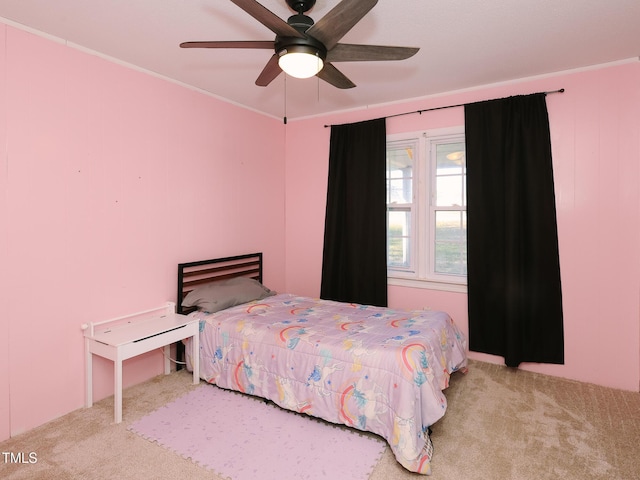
(109, 178)
(595, 130)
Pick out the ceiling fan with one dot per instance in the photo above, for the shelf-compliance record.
(301, 41)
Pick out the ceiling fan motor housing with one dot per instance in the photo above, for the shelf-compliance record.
(306, 44)
(284, 45)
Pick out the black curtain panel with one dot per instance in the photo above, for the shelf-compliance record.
(514, 291)
(354, 261)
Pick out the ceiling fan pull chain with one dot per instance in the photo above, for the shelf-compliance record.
(285, 99)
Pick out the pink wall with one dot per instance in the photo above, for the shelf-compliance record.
(110, 177)
(5, 426)
(595, 128)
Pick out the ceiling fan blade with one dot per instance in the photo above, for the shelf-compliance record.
(270, 71)
(346, 52)
(267, 44)
(335, 77)
(268, 18)
(335, 24)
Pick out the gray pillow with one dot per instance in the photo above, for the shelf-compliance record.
(215, 296)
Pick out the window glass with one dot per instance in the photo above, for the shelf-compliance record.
(450, 175)
(451, 242)
(400, 174)
(399, 235)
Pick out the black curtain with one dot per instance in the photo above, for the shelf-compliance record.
(354, 260)
(514, 291)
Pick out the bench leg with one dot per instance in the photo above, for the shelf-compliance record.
(117, 388)
(167, 359)
(195, 357)
(88, 361)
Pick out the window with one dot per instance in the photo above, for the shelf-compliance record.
(426, 209)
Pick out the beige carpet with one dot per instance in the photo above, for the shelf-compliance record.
(500, 424)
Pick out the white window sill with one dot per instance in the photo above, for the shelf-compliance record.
(428, 284)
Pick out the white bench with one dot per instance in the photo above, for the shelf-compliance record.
(124, 337)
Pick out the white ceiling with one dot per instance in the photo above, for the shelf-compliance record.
(463, 44)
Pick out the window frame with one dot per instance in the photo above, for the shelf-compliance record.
(421, 273)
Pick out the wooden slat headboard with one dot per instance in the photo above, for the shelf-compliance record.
(192, 274)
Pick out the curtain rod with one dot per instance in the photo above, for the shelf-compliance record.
(561, 90)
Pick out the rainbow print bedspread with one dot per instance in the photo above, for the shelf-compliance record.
(371, 368)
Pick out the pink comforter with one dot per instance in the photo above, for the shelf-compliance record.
(371, 368)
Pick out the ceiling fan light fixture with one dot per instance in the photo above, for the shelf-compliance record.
(300, 61)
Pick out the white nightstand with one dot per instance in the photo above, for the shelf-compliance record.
(121, 338)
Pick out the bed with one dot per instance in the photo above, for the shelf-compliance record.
(374, 369)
